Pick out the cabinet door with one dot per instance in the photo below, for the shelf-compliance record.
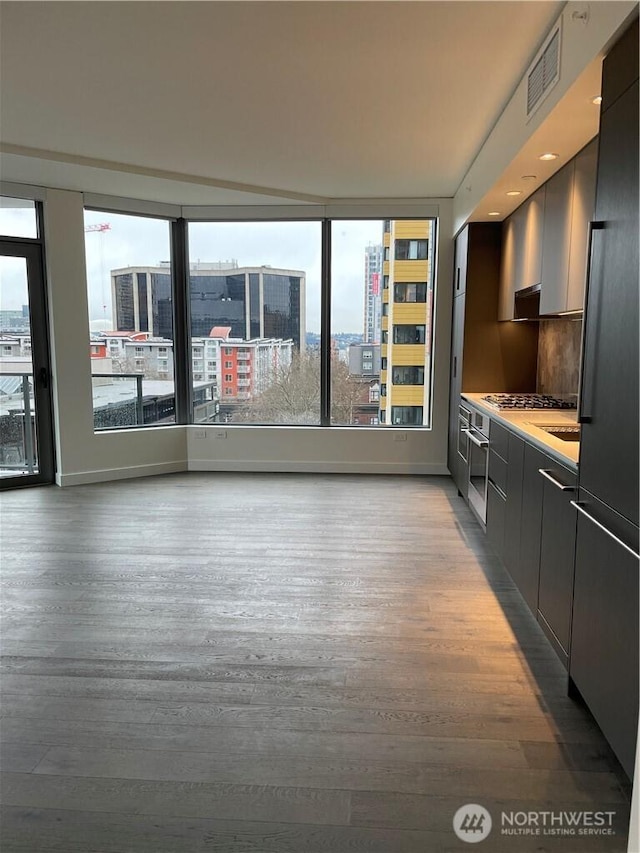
(496, 507)
(609, 392)
(460, 265)
(455, 463)
(508, 269)
(534, 223)
(526, 570)
(557, 552)
(584, 199)
(513, 509)
(604, 643)
(556, 241)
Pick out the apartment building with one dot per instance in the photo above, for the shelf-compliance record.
(407, 297)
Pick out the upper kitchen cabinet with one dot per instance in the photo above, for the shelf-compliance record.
(568, 209)
(521, 252)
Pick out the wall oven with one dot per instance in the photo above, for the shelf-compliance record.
(478, 481)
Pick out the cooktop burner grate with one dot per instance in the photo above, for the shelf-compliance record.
(528, 401)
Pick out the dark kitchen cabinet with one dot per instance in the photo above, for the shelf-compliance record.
(604, 645)
(609, 404)
(526, 570)
(457, 465)
(496, 518)
(557, 551)
(603, 666)
(485, 355)
(513, 508)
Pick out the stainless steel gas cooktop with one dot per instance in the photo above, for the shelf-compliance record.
(528, 401)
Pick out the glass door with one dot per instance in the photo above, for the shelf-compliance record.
(26, 437)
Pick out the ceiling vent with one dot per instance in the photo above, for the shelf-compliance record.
(544, 72)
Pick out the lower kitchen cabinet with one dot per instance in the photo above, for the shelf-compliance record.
(557, 552)
(604, 645)
(513, 505)
(525, 571)
(496, 515)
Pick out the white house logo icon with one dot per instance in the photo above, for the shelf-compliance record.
(472, 823)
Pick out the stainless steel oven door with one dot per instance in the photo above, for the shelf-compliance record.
(478, 473)
(464, 422)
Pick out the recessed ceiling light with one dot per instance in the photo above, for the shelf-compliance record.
(514, 192)
(597, 100)
(548, 156)
(494, 213)
(529, 177)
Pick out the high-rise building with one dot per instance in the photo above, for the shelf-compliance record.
(407, 299)
(372, 293)
(255, 302)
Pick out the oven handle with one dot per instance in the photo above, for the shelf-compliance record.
(480, 443)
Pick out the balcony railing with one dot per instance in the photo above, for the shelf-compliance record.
(17, 426)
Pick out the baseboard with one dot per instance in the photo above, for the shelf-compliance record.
(105, 474)
(281, 466)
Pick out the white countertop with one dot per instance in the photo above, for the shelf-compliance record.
(526, 422)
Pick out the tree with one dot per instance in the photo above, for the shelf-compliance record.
(294, 396)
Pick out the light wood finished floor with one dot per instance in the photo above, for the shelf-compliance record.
(277, 664)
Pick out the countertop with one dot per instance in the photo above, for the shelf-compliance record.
(525, 422)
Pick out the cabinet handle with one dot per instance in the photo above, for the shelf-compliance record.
(458, 278)
(584, 391)
(556, 483)
(483, 443)
(455, 366)
(580, 507)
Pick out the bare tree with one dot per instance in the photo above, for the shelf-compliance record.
(294, 396)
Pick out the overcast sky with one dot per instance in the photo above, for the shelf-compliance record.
(134, 240)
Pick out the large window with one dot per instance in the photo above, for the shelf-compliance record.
(130, 320)
(263, 335)
(255, 294)
(356, 320)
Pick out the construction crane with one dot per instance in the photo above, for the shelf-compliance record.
(100, 228)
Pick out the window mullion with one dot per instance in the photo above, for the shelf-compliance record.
(181, 321)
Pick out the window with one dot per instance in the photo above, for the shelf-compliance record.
(383, 363)
(228, 377)
(385, 282)
(162, 350)
(383, 389)
(408, 375)
(385, 309)
(411, 250)
(408, 334)
(386, 253)
(128, 291)
(406, 415)
(268, 294)
(385, 336)
(18, 217)
(414, 291)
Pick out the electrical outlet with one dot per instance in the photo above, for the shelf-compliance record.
(221, 433)
(399, 436)
(200, 433)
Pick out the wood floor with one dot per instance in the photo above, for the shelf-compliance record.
(277, 664)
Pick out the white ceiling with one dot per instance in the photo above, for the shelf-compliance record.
(305, 100)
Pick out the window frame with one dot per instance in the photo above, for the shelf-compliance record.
(179, 219)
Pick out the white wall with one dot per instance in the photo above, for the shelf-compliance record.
(85, 456)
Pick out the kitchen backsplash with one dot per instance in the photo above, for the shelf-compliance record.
(559, 356)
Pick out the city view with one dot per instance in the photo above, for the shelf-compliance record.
(254, 309)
